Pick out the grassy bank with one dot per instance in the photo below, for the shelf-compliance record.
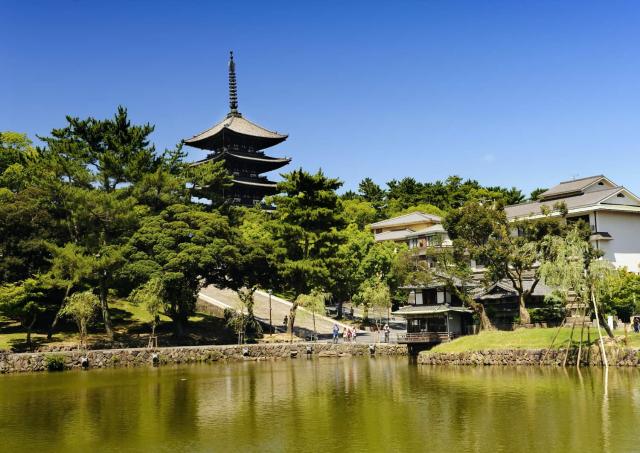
(527, 339)
(132, 327)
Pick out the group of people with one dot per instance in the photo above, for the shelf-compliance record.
(349, 334)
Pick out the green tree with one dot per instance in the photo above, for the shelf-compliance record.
(374, 295)
(359, 212)
(82, 308)
(315, 302)
(306, 228)
(624, 296)
(509, 250)
(23, 302)
(185, 247)
(573, 266)
(151, 296)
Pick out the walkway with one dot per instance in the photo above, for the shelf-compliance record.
(303, 328)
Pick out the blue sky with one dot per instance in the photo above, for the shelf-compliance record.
(510, 93)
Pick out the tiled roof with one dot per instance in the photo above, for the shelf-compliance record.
(407, 219)
(574, 202)
(392, 235)
(429, 309)
(573, 186)
(437, 228)
(540, 290)
(239, 125)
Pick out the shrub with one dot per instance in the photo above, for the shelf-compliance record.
(55, 362)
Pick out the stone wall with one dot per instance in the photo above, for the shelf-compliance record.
(113, 358)
(521, 357)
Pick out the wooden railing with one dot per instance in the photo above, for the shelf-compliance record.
(425, 337)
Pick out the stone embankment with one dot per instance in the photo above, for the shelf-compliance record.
(114, 358)
(616, 356)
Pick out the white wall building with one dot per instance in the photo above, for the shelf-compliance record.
(612, 211)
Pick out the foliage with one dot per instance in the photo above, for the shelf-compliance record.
(55, 362)
(374, 295)
(315, 302)
(509, 250)
(572, 267)
(306, 232)
(553, 309)
(23, 301)
(184, 247)
(82, 308)
(623, 299)
(151, 296)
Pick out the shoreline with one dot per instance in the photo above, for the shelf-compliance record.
(26, 362)
(589, 357)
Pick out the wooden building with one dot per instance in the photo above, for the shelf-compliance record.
(434, 314)
(241, 144)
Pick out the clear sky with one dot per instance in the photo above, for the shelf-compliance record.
(510, 93)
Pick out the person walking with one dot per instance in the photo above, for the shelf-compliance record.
(387, 331)
(353, 335)
(345, 334)
(336, 331)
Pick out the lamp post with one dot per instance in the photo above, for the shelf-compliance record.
(270, 321)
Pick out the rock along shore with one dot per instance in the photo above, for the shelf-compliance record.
(136, 357)
(527, 357)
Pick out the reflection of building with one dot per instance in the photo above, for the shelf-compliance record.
(240, 143)
(612, 212)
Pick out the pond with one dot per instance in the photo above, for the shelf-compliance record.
(327, 405)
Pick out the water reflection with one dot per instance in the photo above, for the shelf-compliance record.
(374, 404)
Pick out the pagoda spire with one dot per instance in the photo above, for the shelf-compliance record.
(233, 88)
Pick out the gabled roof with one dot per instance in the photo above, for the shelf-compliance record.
(433, 229)
(235, 128)
(584, 200)
(406, 219)
(575, 186)
(507, 287)
(392, 235)
(429, 309)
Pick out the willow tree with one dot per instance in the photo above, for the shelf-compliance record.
(315, 302)
(574, 267)
(82, 308)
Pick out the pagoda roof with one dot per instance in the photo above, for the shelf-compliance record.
(235, 129)
(267, 184)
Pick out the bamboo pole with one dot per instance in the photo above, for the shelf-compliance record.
(602, 351)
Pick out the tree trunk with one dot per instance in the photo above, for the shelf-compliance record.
(339, 310)
(29, 329)
(104, 306)
(315, 332)
(57, 316)
(179, 325)
(525, 318)
(292, 319)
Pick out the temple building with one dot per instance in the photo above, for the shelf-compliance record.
(241, 144)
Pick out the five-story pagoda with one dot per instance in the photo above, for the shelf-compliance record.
(241, 143)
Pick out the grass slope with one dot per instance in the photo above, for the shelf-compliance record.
(525, 339)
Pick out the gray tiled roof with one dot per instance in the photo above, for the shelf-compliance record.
(578, 201)
(413, 217)
(573, 186)
(540, 290)
(437, 228)
(429, 309)
(239, 125)
(393, 235)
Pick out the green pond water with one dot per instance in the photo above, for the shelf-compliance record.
(326, 405)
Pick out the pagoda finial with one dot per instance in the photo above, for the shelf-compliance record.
(233, 87)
